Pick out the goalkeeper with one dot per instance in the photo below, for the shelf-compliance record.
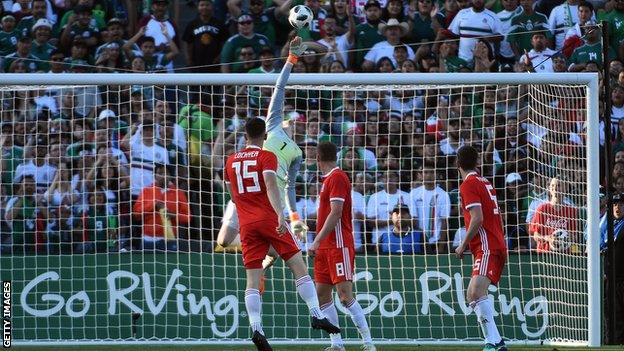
(289, 158)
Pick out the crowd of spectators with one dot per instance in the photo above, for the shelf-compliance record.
(119, 168)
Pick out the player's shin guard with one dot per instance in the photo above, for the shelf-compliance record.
(357, 315)
(253, 304)
(307, 291)
(484, 309)
(332, 315)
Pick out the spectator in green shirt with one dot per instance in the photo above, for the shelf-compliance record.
(154, 61)
(79, 51)
(246, 60)
(265, 18)
(115, 35)
(11, 155)
(24, 45)
(8, 36)
(267, 62)
(449, 61)
(80, 25)
(21, 214)
(615, 19)
(100, 224)
(246, 37)
(423, 26)
(97, 21)
(38, 10)
(522, 27)
(590, 52)
(41, 47)
(367, 34)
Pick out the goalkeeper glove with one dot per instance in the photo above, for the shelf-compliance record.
(298, 226)
(296, 50)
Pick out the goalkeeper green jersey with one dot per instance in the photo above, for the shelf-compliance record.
(289, 155)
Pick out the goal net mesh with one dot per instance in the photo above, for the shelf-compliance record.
(94, 254)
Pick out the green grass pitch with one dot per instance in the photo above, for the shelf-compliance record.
(250, 347)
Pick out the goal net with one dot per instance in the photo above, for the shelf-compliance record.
(97, 251)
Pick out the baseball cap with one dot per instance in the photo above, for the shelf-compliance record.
(8, 18)
(617, 198)
(309, 142)
(370, 3)
(244, 18)
(42, 22)
(513, 177)
(106, 114)
(113, 20)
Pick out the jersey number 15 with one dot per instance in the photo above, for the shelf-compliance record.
(242, 172)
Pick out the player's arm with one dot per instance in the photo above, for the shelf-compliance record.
(536, 227)
(270, 179)
(476, 220)
(332, 220)
(226, 180)
(276, 106)
(298, 226)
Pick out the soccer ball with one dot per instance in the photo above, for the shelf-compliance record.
(300, 16)
(561, 241)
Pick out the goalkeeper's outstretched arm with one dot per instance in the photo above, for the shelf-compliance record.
(276, 106)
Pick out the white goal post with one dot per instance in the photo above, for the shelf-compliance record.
(591, 270)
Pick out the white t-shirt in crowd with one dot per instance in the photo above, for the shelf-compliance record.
(430, 207)
(470, 25)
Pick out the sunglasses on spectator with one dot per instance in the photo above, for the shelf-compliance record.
(56, 59)
(246, 53)
(245, 22)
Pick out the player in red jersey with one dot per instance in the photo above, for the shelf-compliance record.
(554, 225)
(251, 178)
(485, 238)
(334, 249)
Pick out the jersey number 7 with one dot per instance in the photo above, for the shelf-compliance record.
(242, 172)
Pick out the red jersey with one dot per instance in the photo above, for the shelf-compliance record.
(336, 187)
(477, 191)
(244, 171)
(548, 219)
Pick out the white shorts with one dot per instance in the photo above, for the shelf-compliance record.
(230, 217)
